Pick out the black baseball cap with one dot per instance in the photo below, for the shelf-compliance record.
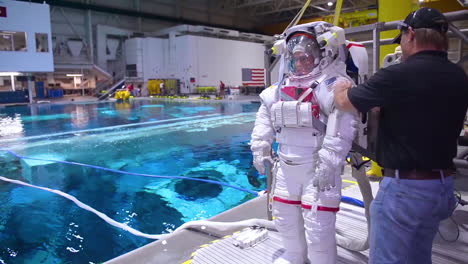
(423, 18)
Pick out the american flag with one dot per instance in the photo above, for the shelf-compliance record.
(253, 77)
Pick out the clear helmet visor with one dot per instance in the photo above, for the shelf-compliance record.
(303, 54)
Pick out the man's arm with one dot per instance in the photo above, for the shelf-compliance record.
(341, 99)
(380, 90)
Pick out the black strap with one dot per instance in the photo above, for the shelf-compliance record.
(322, 127)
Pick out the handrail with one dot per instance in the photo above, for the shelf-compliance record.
(112, 89)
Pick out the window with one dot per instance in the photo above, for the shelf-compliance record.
(6, 41)
(42, 42)
(19, 41)
(5, 84)
(131, 70)
(12, 41)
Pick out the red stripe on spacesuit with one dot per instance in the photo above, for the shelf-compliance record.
(321, 208)
(354, 44)
(281, 200)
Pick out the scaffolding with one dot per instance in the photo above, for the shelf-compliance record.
(376, 42)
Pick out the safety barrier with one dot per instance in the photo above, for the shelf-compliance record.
(14, 97)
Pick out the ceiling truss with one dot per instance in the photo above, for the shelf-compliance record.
(285, 10)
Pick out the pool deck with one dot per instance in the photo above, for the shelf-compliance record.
(180, 247)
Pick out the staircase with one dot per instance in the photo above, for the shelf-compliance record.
(112, 89)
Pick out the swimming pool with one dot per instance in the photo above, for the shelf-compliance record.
(200, 140)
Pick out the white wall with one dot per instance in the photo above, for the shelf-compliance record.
(187, 62)
(208, 60)
(154, 59)
(30, 18)
(148, 55)
(134, 54)
(211, 60)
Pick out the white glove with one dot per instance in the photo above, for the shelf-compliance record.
(259, 160)
(261, 153)
(324, 177)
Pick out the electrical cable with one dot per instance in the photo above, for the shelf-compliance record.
(86, 207)
(461, 202)
(458, 232)
(202, 224)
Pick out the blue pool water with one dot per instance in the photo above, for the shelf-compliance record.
(52, 118)
(200, 140)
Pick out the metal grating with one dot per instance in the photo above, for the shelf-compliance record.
(350, 222)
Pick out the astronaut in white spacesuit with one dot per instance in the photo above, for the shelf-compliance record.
(314, 139)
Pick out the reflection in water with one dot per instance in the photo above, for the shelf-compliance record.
(123, 106)
(11, 127)
(44, 119)
(80, 117)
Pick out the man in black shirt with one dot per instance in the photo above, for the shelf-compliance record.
(422, 103)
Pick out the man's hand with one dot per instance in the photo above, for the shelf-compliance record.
(341, 88)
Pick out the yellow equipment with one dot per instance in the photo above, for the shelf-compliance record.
(170, 87)
(154, 87)
(122, 95)
(375, 170)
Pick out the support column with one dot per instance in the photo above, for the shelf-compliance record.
(336, 19)
(50, 78)
(172, 52)
(266, 60)
(138, 8)
(30, 88)
(391, 10)
(13, 85)
(89, 34)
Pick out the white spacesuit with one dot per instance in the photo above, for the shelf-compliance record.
(392, 58)
(314, 139)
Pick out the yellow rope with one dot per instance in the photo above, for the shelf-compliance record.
(298, 17)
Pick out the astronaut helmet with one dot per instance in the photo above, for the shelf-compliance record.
(303, 54)
(312, 47)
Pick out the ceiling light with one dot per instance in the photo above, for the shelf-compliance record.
(331, 3)
(74, 75)
(9, 73)
(420, 1)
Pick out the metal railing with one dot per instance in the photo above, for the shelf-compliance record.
(112, 89)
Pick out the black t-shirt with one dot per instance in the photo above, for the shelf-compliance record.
(423, 103)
